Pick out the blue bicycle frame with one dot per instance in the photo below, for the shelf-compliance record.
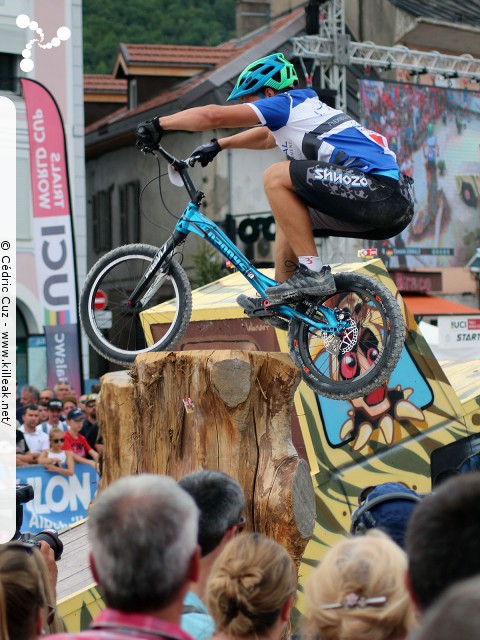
(193, 221)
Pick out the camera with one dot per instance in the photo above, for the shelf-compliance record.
(25, 493)
(50, 536)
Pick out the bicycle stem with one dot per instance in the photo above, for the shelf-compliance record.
(181, 166)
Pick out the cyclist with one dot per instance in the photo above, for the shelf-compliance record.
(340, 178)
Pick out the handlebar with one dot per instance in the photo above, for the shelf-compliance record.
(182, 167)
(175, 162)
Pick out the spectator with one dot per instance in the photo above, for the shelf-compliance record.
(55, 408)
(455, 615)
(62, 389)
(55, 459)
(220, 501)
(46, 394)
(358, 591)
(28, 395)
(36, 439)
(251, 589)
(75, 442)
(388, 507)
(27, 600)
(443, 539)
(90, 425)
(69, 402)
(81, 403)
(42, 411)
(144, 570)
(23, 453)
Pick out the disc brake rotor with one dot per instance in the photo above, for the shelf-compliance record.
(349, 336)
(346, 341)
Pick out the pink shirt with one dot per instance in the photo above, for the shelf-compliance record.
(115, 625)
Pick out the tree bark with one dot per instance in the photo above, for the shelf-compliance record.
(238, 422)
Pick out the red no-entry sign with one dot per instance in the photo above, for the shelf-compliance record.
(101, 300)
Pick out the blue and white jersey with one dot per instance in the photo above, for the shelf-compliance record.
(307, 129)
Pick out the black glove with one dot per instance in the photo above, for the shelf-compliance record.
(149, 134)
(207, 152)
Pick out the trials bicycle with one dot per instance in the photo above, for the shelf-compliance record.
(345, 344)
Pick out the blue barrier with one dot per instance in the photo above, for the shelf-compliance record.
(59, 500)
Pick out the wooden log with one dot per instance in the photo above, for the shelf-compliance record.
(238, 422)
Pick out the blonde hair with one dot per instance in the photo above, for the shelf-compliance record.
(22, 593)
(55, 430)
(248, 585)
(369, 566)
(56, 625)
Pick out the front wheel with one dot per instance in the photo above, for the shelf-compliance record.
(120, 332)
(361, 359)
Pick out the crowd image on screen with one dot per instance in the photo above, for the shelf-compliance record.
(402, 112)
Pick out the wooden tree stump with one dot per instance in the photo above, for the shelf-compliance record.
(239, 423)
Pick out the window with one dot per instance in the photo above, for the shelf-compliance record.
(129, 215)
(102, 220)
(9, 72)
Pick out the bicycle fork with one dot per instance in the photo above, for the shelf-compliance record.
(155, 275)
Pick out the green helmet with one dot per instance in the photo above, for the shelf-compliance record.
(272, 71)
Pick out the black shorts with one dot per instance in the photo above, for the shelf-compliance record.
(352, 204)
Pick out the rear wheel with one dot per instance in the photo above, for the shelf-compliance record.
(360, 359)
(119, 332)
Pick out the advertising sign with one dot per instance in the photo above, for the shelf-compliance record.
(460, 332)
(53, 233)
(435, 133)
(59, 500)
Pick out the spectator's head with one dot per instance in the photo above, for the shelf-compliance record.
(46, 394)
(81, 402)
(55, 408)
(443, 538)
(62, 389)
(455, 615)
(23, 599)
(29, 395)
(91, 407)
(30, 416)
(69, 402)
(251, 588)
(75, 420)
(220, 501)
(42, 411)
(57, 438)
(358, 591)
(143, 532)
(387, 507)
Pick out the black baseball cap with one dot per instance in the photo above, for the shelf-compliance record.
(55, 404)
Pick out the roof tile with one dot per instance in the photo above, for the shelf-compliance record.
(99, 82)
(175, 54)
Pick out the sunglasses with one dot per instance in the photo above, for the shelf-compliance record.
(241, 524)
(50, 614)
(57, 440)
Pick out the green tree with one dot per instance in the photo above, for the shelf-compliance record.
(108, 23)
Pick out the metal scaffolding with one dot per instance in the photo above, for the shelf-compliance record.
(332, 50)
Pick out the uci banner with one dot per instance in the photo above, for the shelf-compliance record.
(54, 255)
(59, 500)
